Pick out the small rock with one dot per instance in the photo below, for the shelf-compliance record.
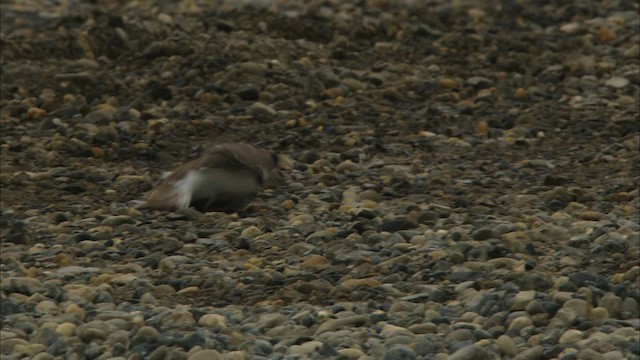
(212, 320)
(207, 354)
(335, 324)
(471, 352)
(617, 82)
(145, 335)
(400, 353)
(261, 110)
(447, 83)
(507, 346)
(347, 166)
(570, 336)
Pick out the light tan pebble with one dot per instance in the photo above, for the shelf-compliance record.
(350, 196)
(47, 306)
(148, 299)
(591, 215)
(389, 331)
(523, 298)
(31, 350)
(570, 336)
(598, 336)
(250, 267)
(8, 346)
(632, 274)
(234, 355)
(207, 354)
(612, 303)
(212, 320)
(165, 19)
(627, 333)
(485, 93)
(458, 142)
(561, 296)
(575, 208)
(438, 254)
(441, 356)
(138, 321)
(506, 345)
(625, 100)
(564, 317)
(483, 343)
(323, 314)
(302, 219)
(351, 353)
(368, 204)
(423, 328)
(570, 28)
(188, 290)
(579, 306)
(66, 329)
(347, 166)
(75, 310)
(599, 314)
(617, 278)
(568, 261)
(291, 123)
(476, 14)
(560, 216)
(630, 308)
(316, 262)
(519, 323)
(617, 82)
(251, 232)
(613, 355)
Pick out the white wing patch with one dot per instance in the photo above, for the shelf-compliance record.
(186, 187)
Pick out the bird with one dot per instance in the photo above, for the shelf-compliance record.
(225, 178)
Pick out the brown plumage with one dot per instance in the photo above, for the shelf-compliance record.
(225, 178)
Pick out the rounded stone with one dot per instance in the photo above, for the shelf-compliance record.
(506, 345)
(519, 323)
(400, 353)
(471, 352)
(212, 320)
(612, 303)
(66, 329)
(145, 335)
(207, 354)
(570, 336)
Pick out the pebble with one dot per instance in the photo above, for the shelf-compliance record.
(335, 324)
(212, 320)
(617, 82)
(207, 354)
(261, 110)
(470, 352)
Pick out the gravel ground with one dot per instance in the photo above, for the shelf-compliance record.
(465, 182)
